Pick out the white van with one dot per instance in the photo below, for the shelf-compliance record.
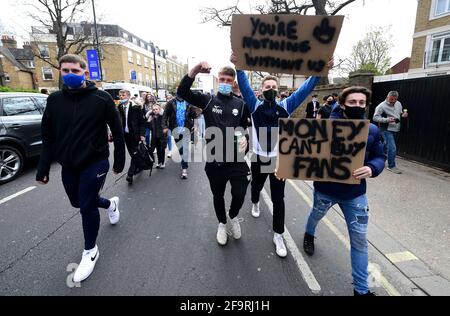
(114, 88)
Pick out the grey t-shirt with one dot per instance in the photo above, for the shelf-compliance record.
(384, 111)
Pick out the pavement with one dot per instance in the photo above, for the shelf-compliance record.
(165, 242)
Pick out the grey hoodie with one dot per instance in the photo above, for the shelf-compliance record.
(384, 111)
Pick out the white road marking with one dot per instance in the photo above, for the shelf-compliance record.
(302, 265)
(384, 282)
(9, 198)
(305, 271)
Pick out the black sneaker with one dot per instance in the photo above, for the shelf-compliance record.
(367, 294)
(130, 179)
(308, 244)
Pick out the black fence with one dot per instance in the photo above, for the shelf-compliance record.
(425, 137)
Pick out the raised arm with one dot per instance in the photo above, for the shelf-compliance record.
(184, 89)
(246, 90)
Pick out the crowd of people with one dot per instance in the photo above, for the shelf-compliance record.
(75, 129)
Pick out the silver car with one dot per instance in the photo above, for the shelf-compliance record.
(20, 131)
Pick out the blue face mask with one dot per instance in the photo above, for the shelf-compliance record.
(73, 81)
(123, 101)
(225, 88)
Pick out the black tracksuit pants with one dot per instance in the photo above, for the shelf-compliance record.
(276, 192)
(131, 146)
(238, 175)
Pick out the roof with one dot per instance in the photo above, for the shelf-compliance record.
(6, 52)
(22, 53)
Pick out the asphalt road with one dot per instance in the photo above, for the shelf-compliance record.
(165, 243)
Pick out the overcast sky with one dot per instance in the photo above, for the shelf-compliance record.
(175, 25)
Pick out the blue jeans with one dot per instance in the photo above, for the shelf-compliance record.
(390, 147)
(356, 213)
(82, 188)
(148, 134)
(169, 141)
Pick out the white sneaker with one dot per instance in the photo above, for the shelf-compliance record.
(113, 211)
(235, 228)
(222, 236)
(87, 265)
(162, 166)
(169, 155)
(279, 244)
(184, 174)
(255, 210)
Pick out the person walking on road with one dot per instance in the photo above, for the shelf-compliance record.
(351, 199)
(178, 118)
(158, 141)
(265, 116)
(223, 111)
(75, 134)
(133, 126)
(389, 115)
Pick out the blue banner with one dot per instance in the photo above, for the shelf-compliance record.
(93, 64)
(133, 75)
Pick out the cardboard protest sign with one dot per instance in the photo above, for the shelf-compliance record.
(289, 44)
(321, 150)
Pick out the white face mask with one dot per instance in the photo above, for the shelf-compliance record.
(315, 99)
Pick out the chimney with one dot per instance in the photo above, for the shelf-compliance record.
(27, 45)
(9, 42)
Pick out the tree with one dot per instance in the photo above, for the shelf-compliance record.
(59, 17)
(371, 53)
(322, 7)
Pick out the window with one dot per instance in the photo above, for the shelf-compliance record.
(440, 49)
(19, 106)
(47, 73)
(125, 35)
(135, 41)
(147, 78)
(145, 62)
(138, 59)
(143, 45)
(7, 77)
(442, 7)
(42, 102)
(43, 51)
(140, 77)
(130, 57)
(29, 64)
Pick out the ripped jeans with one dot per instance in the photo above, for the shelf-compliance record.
(356, 213)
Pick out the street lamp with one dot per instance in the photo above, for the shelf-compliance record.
(156, 68)
(97, 42)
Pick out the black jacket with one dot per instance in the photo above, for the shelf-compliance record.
(310, 109)
(156, 126)
(136, 122)
(170, 116)
(75, 130)
(219, 110)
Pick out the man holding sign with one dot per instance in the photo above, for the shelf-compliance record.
(265, 116)
(351, 198)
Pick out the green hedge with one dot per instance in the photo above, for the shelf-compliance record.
(8, 89)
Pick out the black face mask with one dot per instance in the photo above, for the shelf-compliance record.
(270, 95)
(330, 102)
(355, 112)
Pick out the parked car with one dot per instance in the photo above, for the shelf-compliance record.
(20, 131)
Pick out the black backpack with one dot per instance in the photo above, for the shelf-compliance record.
(143, 158)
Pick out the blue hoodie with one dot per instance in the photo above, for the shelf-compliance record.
(375, 159)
